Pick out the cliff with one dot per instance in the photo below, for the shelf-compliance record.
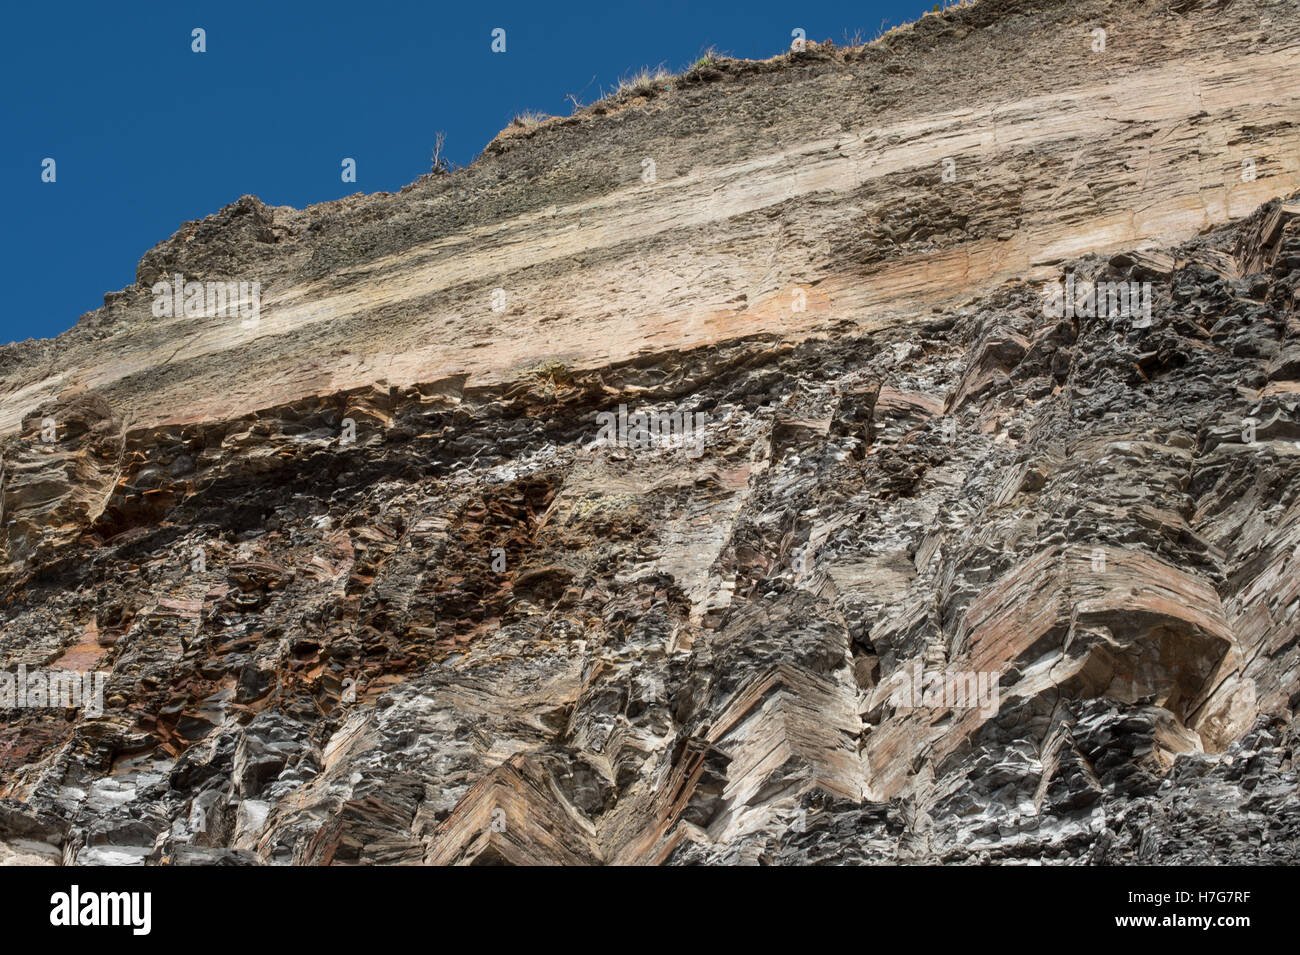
(939, 574)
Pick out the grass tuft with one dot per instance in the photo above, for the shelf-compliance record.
(646, 82)
(529, 118)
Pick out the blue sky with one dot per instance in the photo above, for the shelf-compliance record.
(146, 134)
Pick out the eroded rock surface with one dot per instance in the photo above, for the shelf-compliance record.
(369, 587)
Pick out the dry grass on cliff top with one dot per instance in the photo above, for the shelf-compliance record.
(645, 85)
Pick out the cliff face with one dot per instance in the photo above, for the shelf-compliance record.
(918, 569)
